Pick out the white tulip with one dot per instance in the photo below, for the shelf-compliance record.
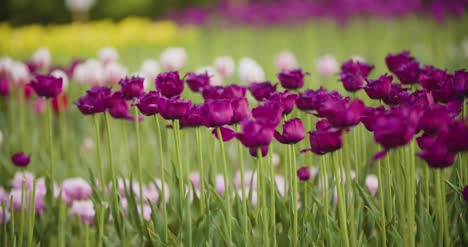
(372, 183)
(225, 66)
(249, 71)
(20, 73)
(173, 58)
(113, 72)
(6, 65)
(108, 55)
(150, 69)
(41, 58)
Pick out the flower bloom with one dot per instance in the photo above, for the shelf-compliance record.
(47, 86)
(173, 108)
(169, 84)
(372, 183)
(380, 88)
(404, 66)
(131, 87)
(117, 107)
(20, 159)
(325, 139)
(95, 100)
(262, 90)
(342, 113)
(327, 65)
(108, 55)
(83, 209)
(293, 132)
(41, 58)
(224, 65)
(197, 82)
(353, 74)
(75, 189)
(285, 100)
(292, 79)
(249, 71)
(303, 173)
(255, 134)
(173, 58)
(148, 103)
(285, 61)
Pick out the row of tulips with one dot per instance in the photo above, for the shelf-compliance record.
(424, 110)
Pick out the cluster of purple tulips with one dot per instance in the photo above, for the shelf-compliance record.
(426, 104)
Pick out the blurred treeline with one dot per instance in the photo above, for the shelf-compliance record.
(19, 12)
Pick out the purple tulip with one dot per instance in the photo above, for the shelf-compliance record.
(395, 127)
(434, 120)
(47, 86)
(197, 82)
(310, 100)
(285, 99)
(325, 139)
(369, 115)
(293, 132)
(20, 159)
(4, 87)
(263, 151)
(117, 107)
(380, 88)
(393, 97)
(457, 136)
(194, 117)
(465, 193)
(432, 78)
(425, 141)
(241, 110)
(220, 92)
(446, 92)
(132, 87)
(148, 103)
(292, 79)
(303, 173)
(95, 100)
(437, 155)
(353, 74)
(262, 90)
(219, 112)
(269, 113)
(255, 134)
(404, 66)
(169, 84)
(226, 133)
(420, 99)
(356, 68)
(173, 108)
(460, 83)
(342, 113)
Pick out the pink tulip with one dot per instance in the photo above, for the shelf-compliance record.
(250, 71)
(195, 179)
(372, 183)
(113, 72)
(75, 189)
(41, 188)
(146, 212)
(19, 74)
(327, 65)
(219, 184)
(225, 66)
(285, 61)
(83, 209)
(17, 181)
(3, 196)
(6, 65)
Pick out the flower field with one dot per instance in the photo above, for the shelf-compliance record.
(140, 133)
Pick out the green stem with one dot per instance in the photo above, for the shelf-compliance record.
(4, 225)
(86, 233)
(188, 219)
(227, 192)
(427, 179)
(12, 222)
(61, 225)
(294, 195)
(22, 109)
(163, 178)
(411, 195)
(202, 169)
(111, 155)
(245, 225)
(326, 201)
(349, 199)
(341, 202)
(32, 216)
(272, 195)
(383, 222)
(101, 225)
(22, 209)
(98, 147)
(51, 142)
(388, 188)
(261, 177)
(138, 158)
